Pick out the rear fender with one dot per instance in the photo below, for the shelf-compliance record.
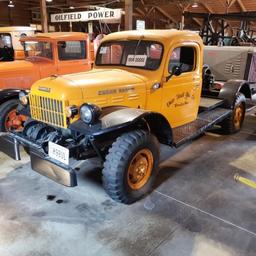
(231, 88)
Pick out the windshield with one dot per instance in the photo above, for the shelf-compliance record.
(38, 49)
(137, 53)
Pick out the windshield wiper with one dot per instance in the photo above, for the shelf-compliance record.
(136, 48)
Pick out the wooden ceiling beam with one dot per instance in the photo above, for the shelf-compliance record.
(185, 9)
(138, 10)
(167, 15)
(230, 3)
(241, 5)
(206, 6)
(197, 21)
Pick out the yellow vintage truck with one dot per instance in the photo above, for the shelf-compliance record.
(145, 89)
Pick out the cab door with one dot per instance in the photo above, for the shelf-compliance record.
(44, 59)
(73, 57)
(181, 92)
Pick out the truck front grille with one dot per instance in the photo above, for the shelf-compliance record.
(47, 110)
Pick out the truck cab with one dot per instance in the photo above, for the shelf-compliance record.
(154, 60)
(145, 89)
(46, 54)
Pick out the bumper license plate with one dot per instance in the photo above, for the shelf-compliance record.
(59, 153)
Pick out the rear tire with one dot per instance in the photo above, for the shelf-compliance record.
(235, 121)
(131, 166)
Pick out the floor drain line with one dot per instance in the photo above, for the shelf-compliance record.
(207, 213)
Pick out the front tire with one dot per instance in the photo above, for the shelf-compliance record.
(131, 166)
(235, 121)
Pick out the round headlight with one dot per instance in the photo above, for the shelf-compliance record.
(89, 113)
(23, 97)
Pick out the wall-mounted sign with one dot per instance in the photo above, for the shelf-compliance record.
(140, 25)
(101, 14)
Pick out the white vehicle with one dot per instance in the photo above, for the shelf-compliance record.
(10, 46)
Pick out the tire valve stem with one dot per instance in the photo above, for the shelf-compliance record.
(245, 181)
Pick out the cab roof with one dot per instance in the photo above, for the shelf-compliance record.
(56, 36)
(160, 35)
(16, 28)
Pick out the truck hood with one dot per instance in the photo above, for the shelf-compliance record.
(17, 74)
(94, 86)
(105, 77)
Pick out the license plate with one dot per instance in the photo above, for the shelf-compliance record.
(59, 153)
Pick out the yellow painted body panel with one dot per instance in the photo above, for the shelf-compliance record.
(178, 99)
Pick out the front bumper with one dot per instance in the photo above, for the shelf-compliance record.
(40, 162)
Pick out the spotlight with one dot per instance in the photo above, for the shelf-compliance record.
(11, 4)
(195, 5)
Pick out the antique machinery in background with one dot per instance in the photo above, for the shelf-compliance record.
(214, 29)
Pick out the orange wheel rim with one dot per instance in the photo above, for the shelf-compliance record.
(238, 116)
(140, 169)
(13, 121)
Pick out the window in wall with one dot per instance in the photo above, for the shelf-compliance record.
(72, 50)
(184, 57)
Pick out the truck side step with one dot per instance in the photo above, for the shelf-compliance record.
(204, 121)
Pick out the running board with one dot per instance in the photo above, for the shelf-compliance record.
(204, 121)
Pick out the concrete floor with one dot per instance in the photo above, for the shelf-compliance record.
(195, 209)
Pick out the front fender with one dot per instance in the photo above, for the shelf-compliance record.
(8, 94)
(116, 120)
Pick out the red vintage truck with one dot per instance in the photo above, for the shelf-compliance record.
(46, 54)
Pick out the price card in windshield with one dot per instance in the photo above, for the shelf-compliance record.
(136, 60)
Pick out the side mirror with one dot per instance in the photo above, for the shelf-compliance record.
(176, 71)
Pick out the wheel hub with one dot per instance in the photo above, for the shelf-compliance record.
(238, 117)
(140, 169)
(14, 121)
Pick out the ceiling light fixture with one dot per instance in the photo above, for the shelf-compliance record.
(49, 1)
(11, 4)
(71, 7)
(195, 5)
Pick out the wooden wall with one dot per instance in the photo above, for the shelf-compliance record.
(17, 16)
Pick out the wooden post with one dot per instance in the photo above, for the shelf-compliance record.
(128, 14)
(10, 16)
(44, 18)
(182, 21)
